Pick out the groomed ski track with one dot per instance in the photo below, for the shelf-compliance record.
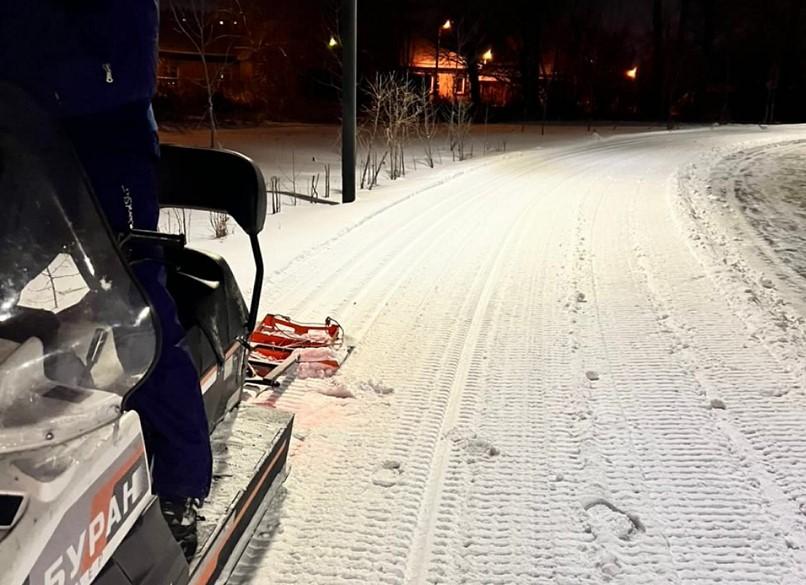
(562, 376)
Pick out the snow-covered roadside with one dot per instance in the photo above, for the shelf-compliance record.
(744, 209)
(770, 187)
(295, 152)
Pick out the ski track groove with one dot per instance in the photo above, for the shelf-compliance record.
(496, 460)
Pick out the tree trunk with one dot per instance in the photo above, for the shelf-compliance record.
(679, 60)
(791, 74)
(475, 84)
(707, 48)
(658, 60)
(529, 71)
(208, 85)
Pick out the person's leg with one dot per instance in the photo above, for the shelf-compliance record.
(170, 403)
(119, 154)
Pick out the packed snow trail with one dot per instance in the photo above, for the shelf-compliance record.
(559, 378)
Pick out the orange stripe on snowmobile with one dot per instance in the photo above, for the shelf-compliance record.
(100, 505)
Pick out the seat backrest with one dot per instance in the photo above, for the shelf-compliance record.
(216, 180)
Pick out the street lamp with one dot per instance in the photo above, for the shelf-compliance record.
(333, 43)
(632, 74)
(348, 36)
(445, 27)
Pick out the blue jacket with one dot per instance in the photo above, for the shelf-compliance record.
(79, 57)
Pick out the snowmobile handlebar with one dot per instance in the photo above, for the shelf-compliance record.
(150, 237)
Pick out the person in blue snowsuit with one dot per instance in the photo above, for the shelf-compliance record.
(92, 65)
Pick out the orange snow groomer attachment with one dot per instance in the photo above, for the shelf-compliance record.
(279, 344)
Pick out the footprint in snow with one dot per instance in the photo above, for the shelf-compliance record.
(334, 389)
(377, 387)
(480, 449)
(388, 474)
(775, 392)
(608, 521)
(477, 449)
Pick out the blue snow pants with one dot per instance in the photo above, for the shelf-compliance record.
(120, 151)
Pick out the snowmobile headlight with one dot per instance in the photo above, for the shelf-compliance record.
(44, 470)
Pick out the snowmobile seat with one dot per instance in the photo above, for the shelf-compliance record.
(217, 180)
(210, 305)
(214, 316)
(223, 181)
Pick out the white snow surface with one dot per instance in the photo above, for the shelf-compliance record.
(577, 364)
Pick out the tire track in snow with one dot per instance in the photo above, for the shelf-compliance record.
(480, 449)
(673, 429)
(418, 562)
(447, 339)
(344, 267)
(745, 385)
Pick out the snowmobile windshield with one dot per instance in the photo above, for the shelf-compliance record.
(76, 334)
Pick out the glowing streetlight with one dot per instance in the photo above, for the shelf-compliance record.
(333, 43)
(447, 26)
(632, 73)
(488, 56)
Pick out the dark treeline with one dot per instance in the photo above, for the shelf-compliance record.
(700, 60)
(694, 60)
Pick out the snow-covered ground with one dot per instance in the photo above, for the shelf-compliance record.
(760, 192)
(577, 364)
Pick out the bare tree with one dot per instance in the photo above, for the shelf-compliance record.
(220, 223)
(199, 21)
(429, 124)
(370, 132)
(460, 121)
(392, 115)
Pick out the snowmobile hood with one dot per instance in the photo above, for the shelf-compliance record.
(76, 333)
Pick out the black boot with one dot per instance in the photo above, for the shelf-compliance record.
(181, 516)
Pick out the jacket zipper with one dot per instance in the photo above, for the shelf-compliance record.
(108, 70)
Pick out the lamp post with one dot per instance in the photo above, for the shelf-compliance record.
(446, 26)
(349, 34)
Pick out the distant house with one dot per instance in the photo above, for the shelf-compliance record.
(181, 70)
(495, 81)
(178, 68)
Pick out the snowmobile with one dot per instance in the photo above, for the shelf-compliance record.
(78, 336)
